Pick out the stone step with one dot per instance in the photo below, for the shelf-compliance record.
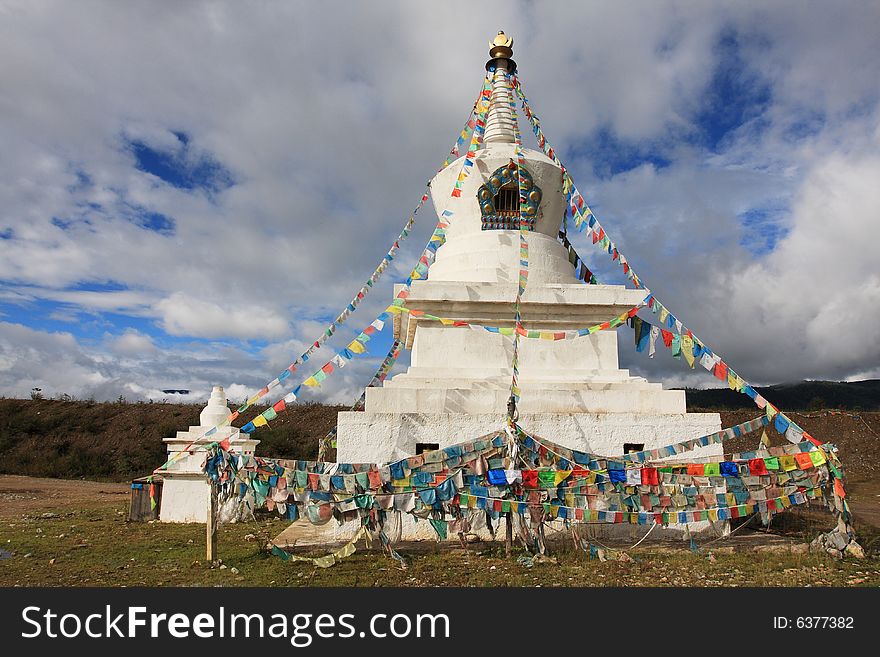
(532, 373)
(526, 384)
(567, 399)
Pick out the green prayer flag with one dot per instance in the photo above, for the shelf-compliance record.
(440, 526)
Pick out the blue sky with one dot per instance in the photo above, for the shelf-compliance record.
(188, 198)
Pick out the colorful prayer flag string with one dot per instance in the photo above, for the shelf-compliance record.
(358, 345)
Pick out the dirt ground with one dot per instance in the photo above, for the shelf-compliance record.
(75, 533)
(34, 495)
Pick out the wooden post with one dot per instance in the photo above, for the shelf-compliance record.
(508, 538)
(211, 524)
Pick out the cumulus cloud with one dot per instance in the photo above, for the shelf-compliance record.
(131, 343)
(183, 315)
(209, 185)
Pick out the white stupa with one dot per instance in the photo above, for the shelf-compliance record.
(185, 489)
(457, 387)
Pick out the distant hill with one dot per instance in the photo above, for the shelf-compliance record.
(803, 396)
(118, 441)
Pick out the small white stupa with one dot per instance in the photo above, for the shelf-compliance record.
(458, 384)
(185, 490)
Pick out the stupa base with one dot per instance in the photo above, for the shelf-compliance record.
(364, 437)
(303, 534)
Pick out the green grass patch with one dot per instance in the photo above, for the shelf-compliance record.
(97, 547)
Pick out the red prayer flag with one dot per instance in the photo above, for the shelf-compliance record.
(817, 443)
(757, 467)
(374, 479)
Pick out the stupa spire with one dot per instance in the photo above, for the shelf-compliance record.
(499, 124)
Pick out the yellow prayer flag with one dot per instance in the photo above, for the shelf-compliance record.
(259, 421)
(311, 382)
(687, 349)
(561, 475)
(324, 562)
(356, 347)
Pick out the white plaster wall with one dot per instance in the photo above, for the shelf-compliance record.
(185, 489)
(382, 437)
(437, 346)
(184, 499)
(493, 399)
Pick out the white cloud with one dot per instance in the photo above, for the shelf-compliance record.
(131, 343)
(184, 315)
(331, 121)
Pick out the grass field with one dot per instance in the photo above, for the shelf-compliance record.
(68, 532)
(94, 545)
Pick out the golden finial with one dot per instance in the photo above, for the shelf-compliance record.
(501, 47)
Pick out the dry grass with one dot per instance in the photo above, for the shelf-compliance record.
(95, 546)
